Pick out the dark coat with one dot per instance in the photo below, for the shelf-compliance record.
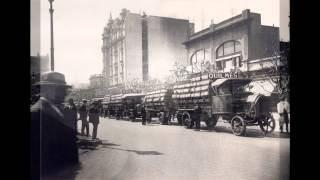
(94, 115)
(83, 112)
(58, 140)
(70, 114)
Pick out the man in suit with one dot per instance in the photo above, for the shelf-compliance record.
(52, 140)
(83, 116)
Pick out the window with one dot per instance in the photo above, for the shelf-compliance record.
(228, 48)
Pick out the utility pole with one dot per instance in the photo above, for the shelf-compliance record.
(51, 25)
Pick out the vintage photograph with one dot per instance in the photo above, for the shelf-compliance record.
(160, 90)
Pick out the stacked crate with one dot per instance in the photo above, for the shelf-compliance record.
(195, 90)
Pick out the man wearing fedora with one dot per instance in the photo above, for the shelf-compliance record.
(51, 141)
(94, 118)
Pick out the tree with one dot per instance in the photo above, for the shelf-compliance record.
(277, 70)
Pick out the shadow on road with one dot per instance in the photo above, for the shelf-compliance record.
(138, 152)
(108, 145)
(253, 133)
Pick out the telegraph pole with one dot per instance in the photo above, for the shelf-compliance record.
(51, 25)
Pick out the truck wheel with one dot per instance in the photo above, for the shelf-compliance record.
(238, 125)
(267, 123)
(211, 122)
(187, 121)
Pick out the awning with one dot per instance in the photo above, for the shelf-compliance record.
(264, 87)
(218, 82)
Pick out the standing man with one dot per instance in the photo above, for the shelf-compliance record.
(48, 127)
(283, 108)
(83, 111)
(94, 118)
(143, 114)
(197, 115)
(71, 114)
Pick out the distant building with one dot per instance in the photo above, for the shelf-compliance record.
(236, 43)
(142, 47)
(97, 83)
(38, 64)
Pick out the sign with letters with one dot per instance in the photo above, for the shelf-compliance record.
(223, 75)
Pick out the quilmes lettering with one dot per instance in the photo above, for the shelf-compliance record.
(223, 75)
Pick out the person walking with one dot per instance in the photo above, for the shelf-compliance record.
(83, 111)
(48, 127)
(283, 108)
(94, 118)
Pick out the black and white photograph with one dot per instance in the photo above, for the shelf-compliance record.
(160, 90)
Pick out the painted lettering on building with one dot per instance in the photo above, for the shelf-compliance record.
(223, 75)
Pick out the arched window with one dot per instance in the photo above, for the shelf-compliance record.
(199, 59)
(228, 48)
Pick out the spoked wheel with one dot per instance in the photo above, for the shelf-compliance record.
(187, 122)
(211, 122)
(267, 123)
(238, 125)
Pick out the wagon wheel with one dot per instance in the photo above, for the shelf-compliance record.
(186, 119)
(211, 122)
(238, 125)
(267, 123)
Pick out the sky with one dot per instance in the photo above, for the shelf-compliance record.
(78, 25)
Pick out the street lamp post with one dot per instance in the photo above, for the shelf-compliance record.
(51, 49)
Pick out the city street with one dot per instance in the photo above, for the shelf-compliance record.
(132, 151)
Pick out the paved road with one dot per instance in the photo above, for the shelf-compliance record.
(131, 151)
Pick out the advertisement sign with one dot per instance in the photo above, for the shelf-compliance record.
(223, 75)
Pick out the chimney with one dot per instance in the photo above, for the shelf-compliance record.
(246, 13)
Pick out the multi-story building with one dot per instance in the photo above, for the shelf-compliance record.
(97, 83)
(38, 64)
(237, 43)
(142, 47)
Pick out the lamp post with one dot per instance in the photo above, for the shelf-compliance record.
(51, 25)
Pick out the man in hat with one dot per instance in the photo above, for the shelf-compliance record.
(283, 110)
(83, 116)
(50, 133)
(196, 115)
(94, 118)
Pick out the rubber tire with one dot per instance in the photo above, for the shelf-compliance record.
(243, 124)
(270, 117)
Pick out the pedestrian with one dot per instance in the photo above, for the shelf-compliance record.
(48, 127)
(283, 108)
(70, 112)
(197, 115)
(94, 118)
(70, 117)
(143, 114)
(83, 111)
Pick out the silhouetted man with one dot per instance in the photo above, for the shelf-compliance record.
(51, 135)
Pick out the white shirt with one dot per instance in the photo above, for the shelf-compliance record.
(283, 105)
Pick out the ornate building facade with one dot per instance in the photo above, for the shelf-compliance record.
(141, 47)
